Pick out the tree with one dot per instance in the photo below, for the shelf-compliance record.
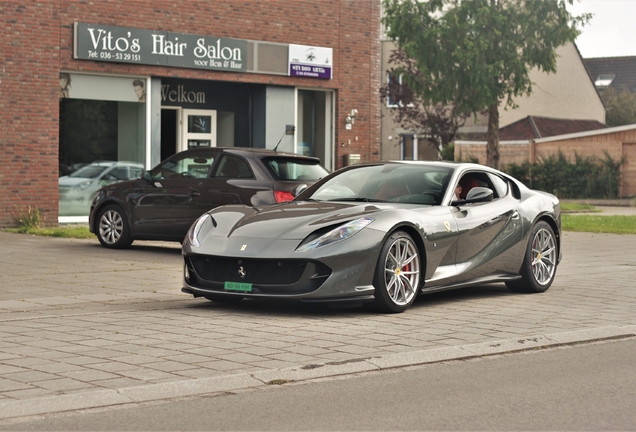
(620, 107)
(437, 123)
(475, 54)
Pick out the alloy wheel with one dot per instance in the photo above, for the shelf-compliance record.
(402, 271)
(111, 226)
(544, 256)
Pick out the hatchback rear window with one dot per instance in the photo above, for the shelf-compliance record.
(293, 169)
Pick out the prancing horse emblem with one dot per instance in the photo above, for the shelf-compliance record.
(241, 272)
(447, 225)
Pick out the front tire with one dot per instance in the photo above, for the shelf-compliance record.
(539, 265)
(397, 274)
(112, 228)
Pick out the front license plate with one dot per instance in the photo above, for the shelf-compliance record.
(237, 286)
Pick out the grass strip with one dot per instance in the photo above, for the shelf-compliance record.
(79, 232)
(599, 224)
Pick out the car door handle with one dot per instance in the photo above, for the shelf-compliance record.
(194, 194)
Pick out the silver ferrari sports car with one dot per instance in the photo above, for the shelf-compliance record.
(379, 234)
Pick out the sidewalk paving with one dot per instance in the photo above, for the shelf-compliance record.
(82, 326)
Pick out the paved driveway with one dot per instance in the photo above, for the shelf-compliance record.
(82, 326)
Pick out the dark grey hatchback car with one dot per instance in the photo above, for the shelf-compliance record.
(169, 198)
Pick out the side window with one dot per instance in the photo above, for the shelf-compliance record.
(120, 173)
(233, 167)
(187, 166)
(501, 186)
(474, 179)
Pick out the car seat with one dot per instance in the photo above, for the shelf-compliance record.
(467, 183)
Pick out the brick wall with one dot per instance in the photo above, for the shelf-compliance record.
(508, 153)
(38, 43)
(29, 107)
(618, 145)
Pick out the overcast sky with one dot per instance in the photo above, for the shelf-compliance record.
(612, 30)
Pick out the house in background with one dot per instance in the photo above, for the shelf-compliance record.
(516, 141)
(618, 73)
(568, 94)
(397, 143)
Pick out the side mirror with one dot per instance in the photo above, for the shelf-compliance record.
(479, 194)
(299, 189)
(147, 176)
(476, 195)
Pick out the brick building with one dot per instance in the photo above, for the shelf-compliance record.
(139, 80)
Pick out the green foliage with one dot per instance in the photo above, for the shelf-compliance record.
(473, 54)
(476, 53)
(588, 177)
(29, 219)
(448, 152)
(620, 107)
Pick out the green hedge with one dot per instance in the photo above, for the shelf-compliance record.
(588, 177)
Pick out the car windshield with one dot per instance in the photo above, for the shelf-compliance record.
(416, 184)
(295, 169)
(89, 171)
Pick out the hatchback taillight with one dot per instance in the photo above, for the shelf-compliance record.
(283, 196)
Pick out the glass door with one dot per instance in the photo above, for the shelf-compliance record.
(314, 125)
(198, 129)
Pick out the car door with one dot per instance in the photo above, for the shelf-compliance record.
(174, 197)
(488, 231)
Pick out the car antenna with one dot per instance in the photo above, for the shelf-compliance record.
(289, 130)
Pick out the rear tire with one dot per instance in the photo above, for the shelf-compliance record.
(112, 228)
(540, 262)
(397, 274)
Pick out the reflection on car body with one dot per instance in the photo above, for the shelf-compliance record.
(343, 241)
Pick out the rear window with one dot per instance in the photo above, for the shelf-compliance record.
(293, 169)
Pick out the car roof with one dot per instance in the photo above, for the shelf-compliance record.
(258, 152)
(446, 164)
(111, 163)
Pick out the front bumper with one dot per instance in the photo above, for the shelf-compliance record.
(336, 272)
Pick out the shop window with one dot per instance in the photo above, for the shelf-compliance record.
(102, 121)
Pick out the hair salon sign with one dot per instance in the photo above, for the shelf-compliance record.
(139, 46)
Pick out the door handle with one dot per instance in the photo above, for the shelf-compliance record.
(194, 194)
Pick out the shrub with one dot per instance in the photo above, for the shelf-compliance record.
(585, 177)
(29, 219)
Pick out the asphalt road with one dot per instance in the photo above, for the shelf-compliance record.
(579, 387)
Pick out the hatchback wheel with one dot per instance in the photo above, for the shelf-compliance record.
(112, 228)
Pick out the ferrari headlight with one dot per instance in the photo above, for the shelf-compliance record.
(195, 230)
(343, 232)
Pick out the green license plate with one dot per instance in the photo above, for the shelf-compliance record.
(237, 286)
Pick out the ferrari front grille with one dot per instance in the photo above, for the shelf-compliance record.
(254, 271)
